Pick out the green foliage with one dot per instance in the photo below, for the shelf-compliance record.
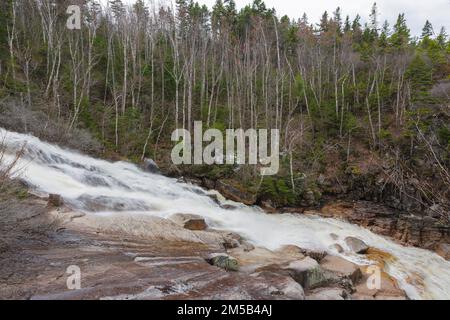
(419, 73)
(401, 36)
(444, 135)
(278, 190)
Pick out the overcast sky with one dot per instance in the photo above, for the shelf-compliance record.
(416, 11)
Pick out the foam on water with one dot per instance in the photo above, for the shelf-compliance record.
(101, 187)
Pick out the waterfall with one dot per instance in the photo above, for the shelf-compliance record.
(100, 187)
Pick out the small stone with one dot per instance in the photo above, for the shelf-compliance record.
(228, 207)
(55, 200)
(189, 221)
(334, 236)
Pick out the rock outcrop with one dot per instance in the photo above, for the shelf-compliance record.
(124, 256)
(420, 231)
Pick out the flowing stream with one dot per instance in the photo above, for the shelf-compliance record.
(101, 187)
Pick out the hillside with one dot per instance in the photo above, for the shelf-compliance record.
(363, 110)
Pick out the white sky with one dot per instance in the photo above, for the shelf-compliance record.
(416, 11)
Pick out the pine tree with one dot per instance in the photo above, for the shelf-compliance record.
(356, 25)
(356, 29)
(401, 36)
(383, 40)
(337, 18)
(218, 11)
(324, 24)
(419, 74)
(442, 37)
(347, 24)
(427, 31)
(304, 19)
(230, 11)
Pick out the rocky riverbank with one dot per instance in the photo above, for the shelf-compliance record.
(407, 228)
(142, 257)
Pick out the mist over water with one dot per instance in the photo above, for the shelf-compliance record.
(101, 187)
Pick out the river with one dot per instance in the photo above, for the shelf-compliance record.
(100, 187)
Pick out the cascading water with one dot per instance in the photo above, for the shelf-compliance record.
(100, 187)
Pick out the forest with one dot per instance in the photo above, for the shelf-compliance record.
(362, 107)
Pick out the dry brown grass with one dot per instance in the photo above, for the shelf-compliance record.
(8, 168)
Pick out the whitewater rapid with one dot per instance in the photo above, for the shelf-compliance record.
(101, 187)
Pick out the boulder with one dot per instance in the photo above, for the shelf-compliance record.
(214, 197)
(233, 193)
(230, 239)
(356, 245)
(268, 206)
(223, 261)
(247, 246)
(326, 294)
(55, 200)
(444, 250)
(308, 273)
(259, 259)
(291, 251)
(150, 166)
(342, 268)
(189, 221)
(388, 290)
(279, 285)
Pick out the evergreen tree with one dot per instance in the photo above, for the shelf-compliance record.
(401, 36)
(218, 12)
(383, 40)
(356, 29)
(356, 25)
(347, 24)
(324, 24)
(419, 74)
(304, 19)
(427, 31)
(337, 18)
(442, 37)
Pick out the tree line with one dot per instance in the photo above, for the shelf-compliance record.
(133, 73)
